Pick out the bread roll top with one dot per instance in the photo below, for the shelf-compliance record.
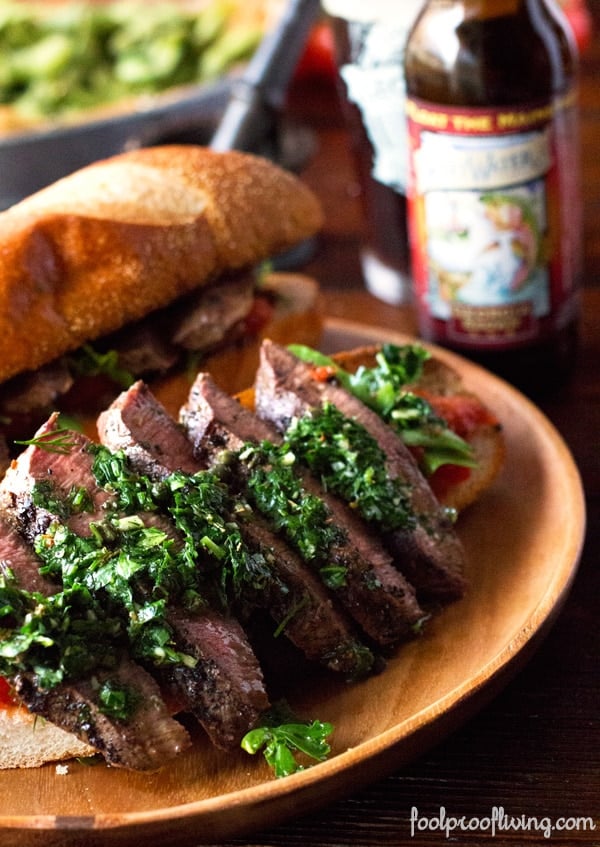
(120, 238)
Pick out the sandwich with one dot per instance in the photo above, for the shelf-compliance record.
(300, 496)
(146, 265)
(138, 551)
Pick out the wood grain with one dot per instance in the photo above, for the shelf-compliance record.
(518, 581)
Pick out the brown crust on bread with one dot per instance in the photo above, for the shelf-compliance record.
(122, 237)
(486, 440)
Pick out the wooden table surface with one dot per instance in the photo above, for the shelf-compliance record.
(535, 750)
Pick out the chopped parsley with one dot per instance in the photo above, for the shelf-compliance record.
(281, 737)
(118, 701)
(385, 388)
(350, 463)
(276, 490)
(202, 511)
(61, 637)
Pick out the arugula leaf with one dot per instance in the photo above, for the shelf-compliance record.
(280, 742)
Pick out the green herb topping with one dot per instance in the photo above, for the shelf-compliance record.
(385, 388)
(282, 736)
(58, 638)
(276, 490)
(350, 463)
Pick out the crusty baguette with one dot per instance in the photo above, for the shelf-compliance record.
(114, 241)
(28, 742)
(486, 438)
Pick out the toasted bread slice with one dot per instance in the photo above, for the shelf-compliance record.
(28, 742)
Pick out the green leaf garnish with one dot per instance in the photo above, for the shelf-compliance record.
(87, 361)
(385, 388)
(281, 742)
(58, 441)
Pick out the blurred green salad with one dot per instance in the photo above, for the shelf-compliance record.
(59, 59)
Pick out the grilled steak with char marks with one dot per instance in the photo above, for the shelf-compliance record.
(227, 698)
(294, 597)
(145, 741)
(374, 593)
(430, 555)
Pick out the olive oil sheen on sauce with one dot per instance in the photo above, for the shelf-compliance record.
(493, 185)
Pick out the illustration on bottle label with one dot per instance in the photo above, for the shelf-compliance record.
(491, 259)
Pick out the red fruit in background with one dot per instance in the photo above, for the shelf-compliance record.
(580, 20)
(318, 58)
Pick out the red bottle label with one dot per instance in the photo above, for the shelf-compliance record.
(494, 217)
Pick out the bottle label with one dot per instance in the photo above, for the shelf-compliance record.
(375, 83)
(494, 221)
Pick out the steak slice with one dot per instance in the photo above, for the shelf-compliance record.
(215, 689)
(210, 315)
(148, 739)
(55, 459)
(294, 597)
(226, 688)
(17, 558)
(140, 426)
(429, 554)
(373, 592)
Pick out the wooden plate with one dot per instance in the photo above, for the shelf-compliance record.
(523, 540)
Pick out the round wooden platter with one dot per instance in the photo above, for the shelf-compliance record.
(523, 541)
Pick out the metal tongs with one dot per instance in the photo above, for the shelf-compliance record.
(258, 96)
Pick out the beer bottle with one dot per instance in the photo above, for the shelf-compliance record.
(370, 38)
(494, 199)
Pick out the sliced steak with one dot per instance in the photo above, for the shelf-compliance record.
(17, 558)
(142, 348)
(211, 314)
(430, 555)
(148, 739)
(212, 684)
(56, 460)
(35, 390)
(140, 426)
(303, 609)
(212, 418)
(293, 596)
(226, 688)
(373, 592)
